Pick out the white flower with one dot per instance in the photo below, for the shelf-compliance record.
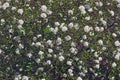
(44, 8)
(117, 43)
(81, 8)
(103, 21)
(21, 22)
(86, 44)
(64, 28)
(101, 29)
(69, 63)
(49, 12)
(97, 29)
(87, 18)
(97, 66)
(90, 10)
(86, 29)
(100, 42)
(59, 41)
(29, 55)
(0, 51)
(72, 50)
(57, 23)
(114, 64)
(43, 15)
(48, 62)
(70, 70)
(112, 13)
(13, 8)
(117, 57)
(70, 25)
(70, 12)
(40, 52)
(16, 78)
(100, 58)
(50, 50)
(73, 44)
(114, 34)
(67, 38)
(61, 58)
(118, 5)
(49, 42)
(37, 60)
(25, 78)
(2, 20)
(100, 12)
(118, 1)
(20, 11)
(21, 46)
(17, 51)
(84, 37)
(5, 5)
(96, 61)
(37, 44)
(79, 78)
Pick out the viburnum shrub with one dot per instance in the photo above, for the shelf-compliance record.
(59, 39)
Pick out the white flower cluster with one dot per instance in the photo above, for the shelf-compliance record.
(60, 39)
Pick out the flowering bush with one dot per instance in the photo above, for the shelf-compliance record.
(60, 39)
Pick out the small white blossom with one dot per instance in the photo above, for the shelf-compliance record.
(117, 43)
(100, 42)
(86, 44)
(114, 34)
(5, 5)
(70, 25)
(70, 12)
(20, 11)
(50, 50)
(21, 22)
(43, 15)
(44, 8)
(29, 55)
(79, 78)
(97, 66)
(86, 29)
(40, 52)
(57, 23)
(69, 63)
(25, 78)
(61, 58)
(64, 28)
(67, 38)
(114, 64)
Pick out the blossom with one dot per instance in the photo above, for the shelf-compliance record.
(43, 15)
(25, 78)
(79, 78)
(21, 22)
(61, 58)
(86, 44)
(69, 63)
(20, 11)
(114, 64)
(44, 8)
(5, 5)
(70, 12)
(100, 42)
(50, 50)
(67, 38)
(64, 28)
(117, 43)
(86, 29)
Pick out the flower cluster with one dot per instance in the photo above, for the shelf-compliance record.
(60, 39)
